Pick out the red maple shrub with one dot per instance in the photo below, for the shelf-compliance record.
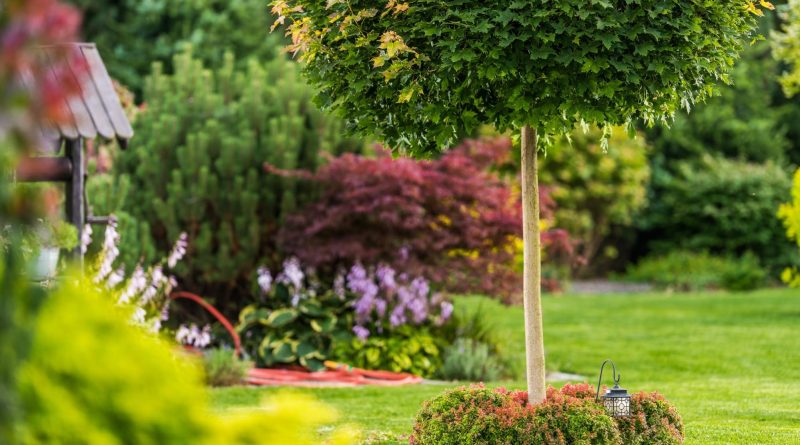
(452, 220)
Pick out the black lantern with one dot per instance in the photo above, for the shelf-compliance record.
(616, 400)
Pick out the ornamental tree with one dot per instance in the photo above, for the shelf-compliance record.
(420, 73)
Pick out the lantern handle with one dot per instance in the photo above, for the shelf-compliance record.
(615, 376)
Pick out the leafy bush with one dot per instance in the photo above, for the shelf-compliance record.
(195, 166)
(450, 219)
(112, 383)
(470, 360)
(477, 415)
(298, 321)
(789, 213)
(132, 35)
(653, 421)
(415, 350)
(223, 368)
(721, 206)
(596, 190)
(685, 270)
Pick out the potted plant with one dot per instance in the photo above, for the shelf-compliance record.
(44, 242)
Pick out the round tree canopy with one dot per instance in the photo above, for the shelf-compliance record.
(420, 73)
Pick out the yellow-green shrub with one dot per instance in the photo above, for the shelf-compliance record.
(93, 378)
(790, 214)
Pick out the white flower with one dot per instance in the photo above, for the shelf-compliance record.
(86, 238)
(264, 279)
(115, 277)
(178, 250)
(292, 275)
(139, 316)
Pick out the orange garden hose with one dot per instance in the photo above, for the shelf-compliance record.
(337, 374)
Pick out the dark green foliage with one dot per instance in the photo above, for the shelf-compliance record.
(687, 271)
(746, 121)
(476, 415)
(721, 206)
(653, 421)
(422, 74)
(411, 349)
(196, 165)
(597, 192)
(133, 34)
(470, 360)
(222, 368)
(303, 334)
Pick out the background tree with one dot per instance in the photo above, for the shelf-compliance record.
(421, 73)
(786, 44)
(597, 193)
(132, 34)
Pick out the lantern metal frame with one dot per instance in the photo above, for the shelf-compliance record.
(616, 400)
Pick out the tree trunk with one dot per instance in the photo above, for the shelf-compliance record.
(532, 278)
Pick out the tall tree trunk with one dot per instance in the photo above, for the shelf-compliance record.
(532, 279)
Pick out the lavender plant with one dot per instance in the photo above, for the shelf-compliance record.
(385, 300)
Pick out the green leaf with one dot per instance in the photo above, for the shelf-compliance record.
(324, 325)
(304, 349)
(283, 352)
(280, 317)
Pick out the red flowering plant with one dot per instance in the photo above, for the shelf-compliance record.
(472, 415)
(452, 220)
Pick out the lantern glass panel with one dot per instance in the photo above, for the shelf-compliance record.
(617, 406)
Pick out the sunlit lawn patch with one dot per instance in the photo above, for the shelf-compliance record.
(729, 361)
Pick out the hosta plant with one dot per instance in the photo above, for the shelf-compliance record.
(296, 321)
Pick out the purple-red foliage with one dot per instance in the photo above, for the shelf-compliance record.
(450, 220)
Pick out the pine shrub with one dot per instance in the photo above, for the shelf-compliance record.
(196, 165)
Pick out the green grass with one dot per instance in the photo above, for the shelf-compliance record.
(730, 362)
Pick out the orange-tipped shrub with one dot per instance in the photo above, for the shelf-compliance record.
(569, 416)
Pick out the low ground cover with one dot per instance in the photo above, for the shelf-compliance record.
(722, 358)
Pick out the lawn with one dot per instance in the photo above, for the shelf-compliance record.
(730, 362)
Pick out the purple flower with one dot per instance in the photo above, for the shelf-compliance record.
(447, 310)
(380, 307)
(385, 275)
(420, 287)
(397, 316)
(361, 332)
(419, 310)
